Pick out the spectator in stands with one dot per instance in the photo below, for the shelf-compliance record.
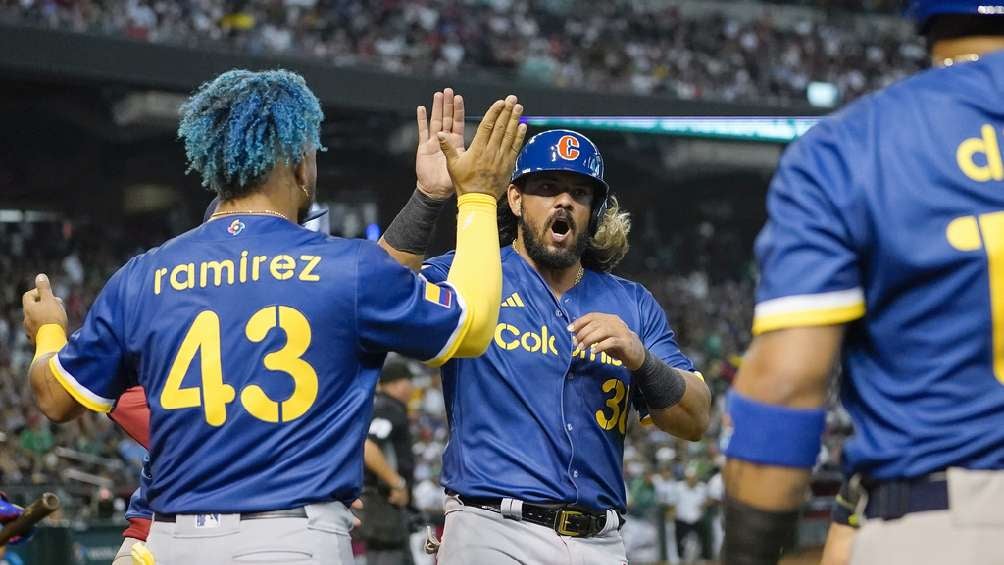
(716, 495)
(619, 45)
(691, 503)
(36, 439)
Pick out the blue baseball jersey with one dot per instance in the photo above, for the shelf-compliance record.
(529, 420)
(138, 505)
(890, 216)
(258, 343)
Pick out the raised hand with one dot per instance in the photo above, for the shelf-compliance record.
(430, 163)
(41, 307)
(487, 164)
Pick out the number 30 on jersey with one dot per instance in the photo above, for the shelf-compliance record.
(214, 394)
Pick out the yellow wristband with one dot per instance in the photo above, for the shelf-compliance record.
(49, 339)
(476, 199)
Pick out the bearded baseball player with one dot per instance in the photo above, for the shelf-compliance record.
(537, 424)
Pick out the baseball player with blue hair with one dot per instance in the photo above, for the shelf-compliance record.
(258, 342)
(533, 466)
(885, 246)
(132, 414)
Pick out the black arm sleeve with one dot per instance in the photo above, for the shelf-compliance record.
(756, 537)
(661, 385)
(412, 227)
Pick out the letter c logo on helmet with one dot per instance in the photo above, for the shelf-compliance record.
(568, 147)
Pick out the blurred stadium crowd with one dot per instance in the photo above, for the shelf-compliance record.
(649, 48)
(90, 459)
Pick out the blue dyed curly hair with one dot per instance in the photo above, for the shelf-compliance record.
(240, 125)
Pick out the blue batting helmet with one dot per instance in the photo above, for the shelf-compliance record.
(922, 10)
(569, 151)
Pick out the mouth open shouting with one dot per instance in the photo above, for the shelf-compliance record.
(562, 230)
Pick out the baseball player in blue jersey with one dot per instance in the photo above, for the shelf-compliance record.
(533, 467)
(132, 414)
(258, 342)
(885, 246)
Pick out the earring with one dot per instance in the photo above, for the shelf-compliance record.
(306, 193)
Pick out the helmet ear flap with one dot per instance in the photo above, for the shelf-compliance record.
(599, 210)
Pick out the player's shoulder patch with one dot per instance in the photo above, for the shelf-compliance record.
(438, 295)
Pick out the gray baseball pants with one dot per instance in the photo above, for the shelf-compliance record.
(322, 538)
(483, 537)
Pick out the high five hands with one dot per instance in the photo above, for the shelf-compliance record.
(486, 166)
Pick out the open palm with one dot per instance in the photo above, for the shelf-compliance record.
(447, 116)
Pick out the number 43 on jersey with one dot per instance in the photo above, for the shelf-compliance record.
(214, 394)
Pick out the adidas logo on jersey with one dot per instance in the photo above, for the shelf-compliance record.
(514, 301)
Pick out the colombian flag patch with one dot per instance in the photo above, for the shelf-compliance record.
(438, 295)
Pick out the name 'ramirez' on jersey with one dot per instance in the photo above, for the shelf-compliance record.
(530, 420)
(235, 338)
(916, 238)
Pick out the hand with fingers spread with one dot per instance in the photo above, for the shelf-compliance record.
(487, 164)
(600, 333)
(447, 117)
(41, 307)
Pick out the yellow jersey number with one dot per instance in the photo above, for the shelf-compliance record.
(214, 395)
(618, 404)
(986, 232)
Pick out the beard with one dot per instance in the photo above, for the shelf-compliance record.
(561, 258)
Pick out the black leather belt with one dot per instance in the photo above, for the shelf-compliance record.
(565, 520)
(894, 499)
(291, 513)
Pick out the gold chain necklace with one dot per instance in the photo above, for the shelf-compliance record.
(249, 213)
(578, 275)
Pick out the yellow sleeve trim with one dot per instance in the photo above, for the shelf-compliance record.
(477, 198)
(449, 352)
(71, 385)
(819, 317)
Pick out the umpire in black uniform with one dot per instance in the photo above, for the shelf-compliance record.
(390, 466)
